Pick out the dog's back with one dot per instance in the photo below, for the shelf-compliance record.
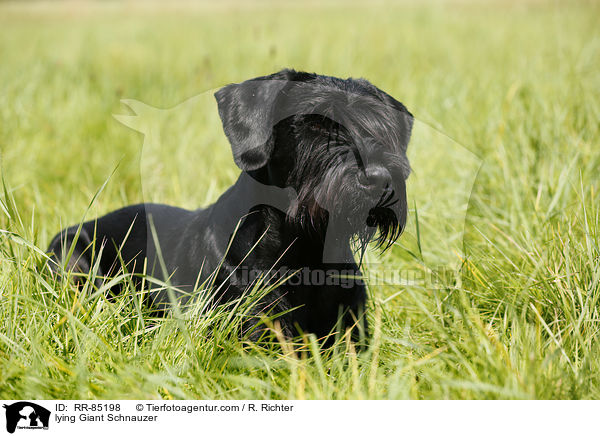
(122, 239)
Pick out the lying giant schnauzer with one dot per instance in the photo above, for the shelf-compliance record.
(323, 174)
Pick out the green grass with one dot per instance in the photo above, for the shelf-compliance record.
(506, 158)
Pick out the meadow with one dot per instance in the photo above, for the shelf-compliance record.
(503, 195)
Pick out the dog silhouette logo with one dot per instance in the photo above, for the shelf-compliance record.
(26, 415)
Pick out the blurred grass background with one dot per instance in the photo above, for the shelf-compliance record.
(514, 86)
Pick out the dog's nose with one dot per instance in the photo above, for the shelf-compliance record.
(376, 178)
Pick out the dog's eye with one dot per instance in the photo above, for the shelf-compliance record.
(340, 148)
(318, 128)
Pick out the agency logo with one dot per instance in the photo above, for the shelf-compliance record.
(26, 415)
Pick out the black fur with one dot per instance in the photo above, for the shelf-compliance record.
(324, 168)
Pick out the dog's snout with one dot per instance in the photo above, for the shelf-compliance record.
(376, 178)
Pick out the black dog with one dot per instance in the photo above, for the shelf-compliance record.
(323, 170)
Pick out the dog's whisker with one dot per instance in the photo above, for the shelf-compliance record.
(389, 205)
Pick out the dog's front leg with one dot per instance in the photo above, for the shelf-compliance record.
(355, 319)
(272, 315)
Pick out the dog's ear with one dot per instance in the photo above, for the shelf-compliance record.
(246, 111)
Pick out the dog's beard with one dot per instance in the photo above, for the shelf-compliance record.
(381, 228)
(329, 198)
(337, 207)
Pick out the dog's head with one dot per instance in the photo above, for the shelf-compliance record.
(341, 144)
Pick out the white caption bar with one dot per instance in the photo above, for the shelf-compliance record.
(32, 417)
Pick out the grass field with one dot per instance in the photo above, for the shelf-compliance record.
(506, 158)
